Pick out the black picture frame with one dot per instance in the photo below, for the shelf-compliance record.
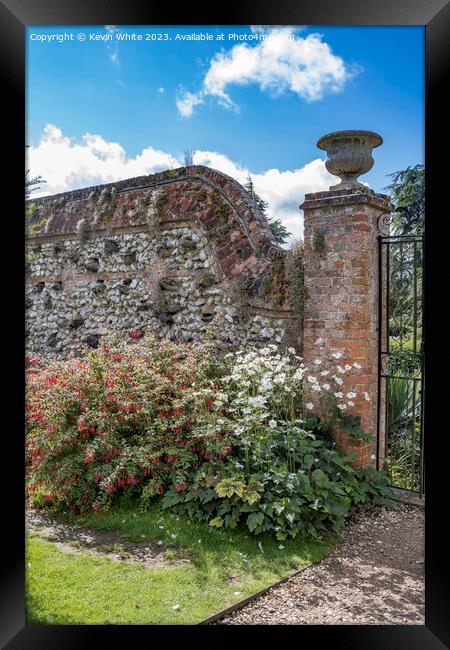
(15, 15)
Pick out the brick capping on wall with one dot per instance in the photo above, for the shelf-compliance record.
(229, 189)
(341, 282)
(67, 209)
(345, 197)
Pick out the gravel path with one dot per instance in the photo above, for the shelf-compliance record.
(375, 577)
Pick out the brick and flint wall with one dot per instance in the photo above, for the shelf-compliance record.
(185, 254)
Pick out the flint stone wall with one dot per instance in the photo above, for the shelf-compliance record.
(185, 254)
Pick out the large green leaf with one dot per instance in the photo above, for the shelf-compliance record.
(320, 479)
(255, 519)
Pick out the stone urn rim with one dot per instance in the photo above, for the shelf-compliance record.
(376, 139)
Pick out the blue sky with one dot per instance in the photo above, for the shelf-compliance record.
(98, 111)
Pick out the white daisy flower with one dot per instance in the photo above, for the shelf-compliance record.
(336, 355)
(326, 386)
(342, 407)
(272, 424)
(366, 397)
(356, 365)
(309, 406)
(351, 395)
(338, 394)
(259, 400)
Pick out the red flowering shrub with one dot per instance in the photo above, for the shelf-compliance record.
(136, 334)
(124, 419)
(225, 442)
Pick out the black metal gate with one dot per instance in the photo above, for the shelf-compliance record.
(400, 433)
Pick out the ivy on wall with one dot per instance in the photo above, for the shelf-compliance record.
(318, 241)
(295, 275)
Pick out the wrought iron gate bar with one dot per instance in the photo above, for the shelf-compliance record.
(401, 357)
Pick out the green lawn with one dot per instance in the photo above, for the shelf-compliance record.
(65, 588)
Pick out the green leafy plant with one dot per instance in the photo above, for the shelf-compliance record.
(318, 241)
(351, 424)
(295, 275)
(403, 433)
(229, 441)
(400, 401)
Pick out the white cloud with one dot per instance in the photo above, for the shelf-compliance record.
(281, 62)
(67, 164)
(283, 190)
(265, 29)
(186, 102)
(161, 90)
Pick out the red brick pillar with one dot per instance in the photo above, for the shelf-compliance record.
(341, 307)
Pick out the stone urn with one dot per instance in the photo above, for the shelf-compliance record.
(349, 154)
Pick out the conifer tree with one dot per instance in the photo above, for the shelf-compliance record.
(280, 232)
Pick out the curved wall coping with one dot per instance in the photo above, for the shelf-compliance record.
(230, 190)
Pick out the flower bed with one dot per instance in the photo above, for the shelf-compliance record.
(230, 441)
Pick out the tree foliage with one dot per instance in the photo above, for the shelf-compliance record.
(405, 267)
(408, 191)
(32, 184)
(279, 231)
